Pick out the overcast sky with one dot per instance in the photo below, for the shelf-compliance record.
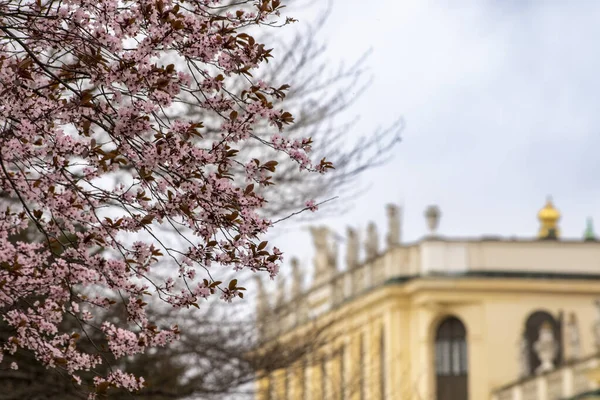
(500, 100)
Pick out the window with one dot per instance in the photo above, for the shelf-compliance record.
(443, 357)
(451, 360)
(451, 348)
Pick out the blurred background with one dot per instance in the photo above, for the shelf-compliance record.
(499, 102)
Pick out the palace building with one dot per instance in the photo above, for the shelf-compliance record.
(442, 318)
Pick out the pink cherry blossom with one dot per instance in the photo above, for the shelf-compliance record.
(96, 159)
(312, 206)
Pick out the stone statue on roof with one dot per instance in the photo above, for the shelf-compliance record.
(262, 304)
(393, 235)
(325, 259)
(589, 235)
(352, 248)
(372, 242)
(297, 278)
(280, 293)
(432, 216)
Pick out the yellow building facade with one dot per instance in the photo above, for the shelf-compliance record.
(442, 318)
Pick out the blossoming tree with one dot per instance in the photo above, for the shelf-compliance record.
(88, 90)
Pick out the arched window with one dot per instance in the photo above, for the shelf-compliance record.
(532, 330)
(451, 364)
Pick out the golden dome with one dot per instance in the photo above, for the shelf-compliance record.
(549, 213)
(548, 217)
